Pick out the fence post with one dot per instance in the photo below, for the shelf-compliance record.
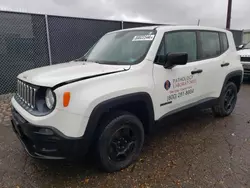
(122, 24)
(48, 38)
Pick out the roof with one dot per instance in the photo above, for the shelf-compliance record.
(187, 27)
(174, 27)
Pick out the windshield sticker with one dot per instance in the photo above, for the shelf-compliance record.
(143, 38)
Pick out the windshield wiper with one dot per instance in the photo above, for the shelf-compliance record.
(85, 59)
(110, 63)
(113, 62)
(80, 59)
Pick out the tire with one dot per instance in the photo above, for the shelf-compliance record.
(114, 142)
(222, 109)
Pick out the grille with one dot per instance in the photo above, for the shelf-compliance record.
(26, 93)
(247, 59)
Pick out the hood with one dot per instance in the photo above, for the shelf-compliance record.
(244, 52)
(53, 75)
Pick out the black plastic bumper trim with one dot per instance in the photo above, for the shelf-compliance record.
(46, 146)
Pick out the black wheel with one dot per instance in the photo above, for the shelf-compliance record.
(120, 141)
(227, 101)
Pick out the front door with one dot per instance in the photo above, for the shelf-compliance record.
(180, 86)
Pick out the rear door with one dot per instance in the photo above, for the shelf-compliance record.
(214, 58)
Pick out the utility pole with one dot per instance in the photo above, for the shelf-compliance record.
(229, 12)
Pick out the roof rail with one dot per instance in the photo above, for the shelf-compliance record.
(164, 25)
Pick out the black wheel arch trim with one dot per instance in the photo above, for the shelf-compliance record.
(233, 74)
(105, 106)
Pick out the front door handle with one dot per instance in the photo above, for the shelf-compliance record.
(197, 71)
(224, 64)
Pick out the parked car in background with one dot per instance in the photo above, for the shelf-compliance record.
(244, 52)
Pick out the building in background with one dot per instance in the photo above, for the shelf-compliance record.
(238, 35)
(246, 36)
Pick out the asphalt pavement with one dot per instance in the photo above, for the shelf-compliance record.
(190, 150)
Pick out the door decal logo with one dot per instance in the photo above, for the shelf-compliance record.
(180, 87)
(167, 85)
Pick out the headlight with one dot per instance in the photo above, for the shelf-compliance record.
(49, 99)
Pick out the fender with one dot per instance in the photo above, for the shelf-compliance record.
(105, 106)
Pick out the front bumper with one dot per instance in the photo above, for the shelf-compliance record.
(246, 67)
(46, 142)
(246, 72)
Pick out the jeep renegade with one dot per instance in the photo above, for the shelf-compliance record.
(111, 97)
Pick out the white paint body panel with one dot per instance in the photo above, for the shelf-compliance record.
(244, 52)
(213, 74)
(161, 95)
(143, 77)
(49, 76)
(71, 125)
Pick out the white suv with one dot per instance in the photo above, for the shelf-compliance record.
(109, 98)
(244, 53)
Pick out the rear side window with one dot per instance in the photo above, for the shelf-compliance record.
(224, 42)
(210, 44)
(182, 41)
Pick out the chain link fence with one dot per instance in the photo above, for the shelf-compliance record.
(29, 41)
(127, 25)
(23, 46)
(70, 38)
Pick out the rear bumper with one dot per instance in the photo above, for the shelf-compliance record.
(46, 142)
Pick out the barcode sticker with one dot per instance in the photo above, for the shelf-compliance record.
(143, 38)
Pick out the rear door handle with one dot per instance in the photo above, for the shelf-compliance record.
(197, 71)
(224, 64)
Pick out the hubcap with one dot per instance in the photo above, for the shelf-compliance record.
(122, 144)
(229, 100)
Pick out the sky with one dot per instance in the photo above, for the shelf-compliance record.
(210, 12)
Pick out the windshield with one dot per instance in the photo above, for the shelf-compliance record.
(247, 46)
(124, 47)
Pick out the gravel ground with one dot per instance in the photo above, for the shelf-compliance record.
(196, 150)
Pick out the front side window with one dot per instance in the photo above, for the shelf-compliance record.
(210, 44)
(124, 47)
(175, 42)
(183, 41)
(247, 46)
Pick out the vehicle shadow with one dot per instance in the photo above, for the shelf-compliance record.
(192, 120)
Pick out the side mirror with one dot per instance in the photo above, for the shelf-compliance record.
(240, 47)
(176, 59)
